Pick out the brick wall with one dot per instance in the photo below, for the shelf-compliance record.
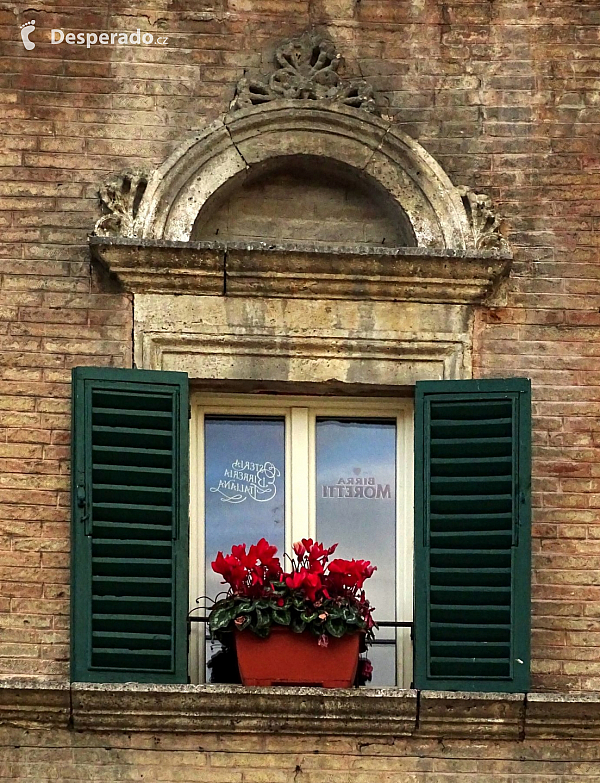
(503, 92)
(29, 755)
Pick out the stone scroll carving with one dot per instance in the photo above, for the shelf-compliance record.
(307, 70)
(486, 225)
(120, 198)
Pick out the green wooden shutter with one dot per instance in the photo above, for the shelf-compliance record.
(130, 526)
(472, 535)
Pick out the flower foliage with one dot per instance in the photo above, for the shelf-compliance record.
(316, 594)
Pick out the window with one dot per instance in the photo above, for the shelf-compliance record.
(131, 543)
(334, 469)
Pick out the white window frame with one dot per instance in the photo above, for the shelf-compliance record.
(300, 415)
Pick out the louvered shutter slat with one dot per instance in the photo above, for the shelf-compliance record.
(129, 526)
(472, 556)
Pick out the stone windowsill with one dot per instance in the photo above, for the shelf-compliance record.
(302, 270)
(391, 712)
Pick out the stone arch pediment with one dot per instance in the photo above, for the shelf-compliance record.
(446, 242)
(245, 140)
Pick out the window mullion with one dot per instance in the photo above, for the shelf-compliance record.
(299, 476)
(312, 475)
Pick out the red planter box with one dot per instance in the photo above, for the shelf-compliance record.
(288, 658)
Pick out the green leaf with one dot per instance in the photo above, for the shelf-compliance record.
(263, 619)
(351, 616)
(335, 627)
(221, 617)
(297, 625)
(282, 616)
(308, 617)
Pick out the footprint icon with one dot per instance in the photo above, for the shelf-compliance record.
(26, 30)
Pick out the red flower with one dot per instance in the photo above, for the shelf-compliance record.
(304, 580)
(299, 549)
(349, 574)
(256, 573)
(365, 669)
(230, 569)
(249, 573)
(316, 551)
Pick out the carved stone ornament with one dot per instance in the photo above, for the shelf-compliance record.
(486, 225)
(307, 71)
(120, 198)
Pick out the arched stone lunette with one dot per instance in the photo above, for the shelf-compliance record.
(441, 214)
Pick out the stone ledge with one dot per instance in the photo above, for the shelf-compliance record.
(302, 270)
(34, 701)
(369, 712)
(461, 714)
(222, 708)
(563, 716)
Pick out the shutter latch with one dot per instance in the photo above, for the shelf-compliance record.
(81, 503)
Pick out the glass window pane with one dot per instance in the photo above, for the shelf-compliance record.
(383, 660)
(356, 506)
(244, 486)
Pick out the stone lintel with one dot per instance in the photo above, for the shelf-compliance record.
(303, 270)
(391, 712)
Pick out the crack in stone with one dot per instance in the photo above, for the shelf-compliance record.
(377, 148)
(238, 150)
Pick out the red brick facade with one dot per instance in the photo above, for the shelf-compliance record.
(503, 93)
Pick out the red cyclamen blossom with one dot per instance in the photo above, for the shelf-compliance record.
(248, 573)
(299, 549)
(349, 574)
(304, 580)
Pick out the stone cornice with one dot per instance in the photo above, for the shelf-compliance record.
(386, 712)
(302, 270)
